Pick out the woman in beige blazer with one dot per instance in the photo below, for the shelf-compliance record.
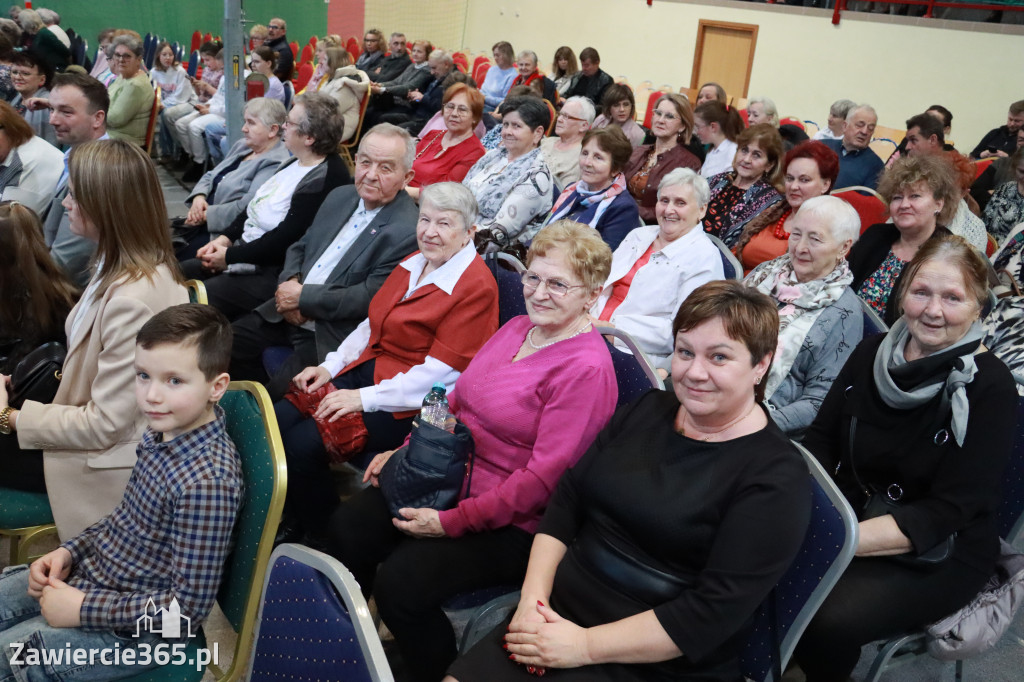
(348, 85)
(89, 433)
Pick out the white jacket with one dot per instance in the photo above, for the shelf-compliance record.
(659, 287)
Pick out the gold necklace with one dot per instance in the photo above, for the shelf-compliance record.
(682, 431)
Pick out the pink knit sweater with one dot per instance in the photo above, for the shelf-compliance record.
(530, 420)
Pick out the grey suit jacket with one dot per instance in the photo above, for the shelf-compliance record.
(69, 251)
(237, 188)
(340, 304)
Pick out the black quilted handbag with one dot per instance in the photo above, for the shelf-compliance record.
(429, 472)
(38, 374)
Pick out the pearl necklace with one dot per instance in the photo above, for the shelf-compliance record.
(529, 337)
(682, 432)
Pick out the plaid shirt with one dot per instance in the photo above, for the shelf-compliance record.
(169, 536)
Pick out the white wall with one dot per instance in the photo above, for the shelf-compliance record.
(802, 61)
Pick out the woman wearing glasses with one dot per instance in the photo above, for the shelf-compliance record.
(447, 155)
(131, 95)
(534, 397)
(671, 125)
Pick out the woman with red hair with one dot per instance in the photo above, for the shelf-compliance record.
(810, 170)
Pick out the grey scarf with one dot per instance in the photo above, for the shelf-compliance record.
(890, 356)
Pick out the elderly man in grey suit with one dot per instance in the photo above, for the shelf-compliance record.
(358, 236)
(78, 113)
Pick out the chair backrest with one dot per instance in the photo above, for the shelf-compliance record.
(151, 123)
(307, 54)
(252, 425)
(314, 623)
(1010, 513)
(460, 60)
(294, 45)
(883, 146)
(811, 128)
(255, 85)
(981, 165)
(732, 267)
(354, 50)
(873, 323)
(511, 302)
(193, 63)
(652, 101)
(197, 41)
(207, 37)
(289, 94)
(827, 550)
(197, 291)
(177, 49)
(480, 59)
(480, 72)
(868, 203)
(302, 76)
(634, 372)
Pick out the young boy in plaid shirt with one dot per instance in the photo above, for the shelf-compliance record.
(167, 540)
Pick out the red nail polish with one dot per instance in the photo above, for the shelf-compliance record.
(511, 657)
(530, 669)
(540, 603)
(541, 671)
(504, 646)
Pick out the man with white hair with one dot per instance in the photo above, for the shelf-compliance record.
(52, 21)
(858, 164)
(562, 153)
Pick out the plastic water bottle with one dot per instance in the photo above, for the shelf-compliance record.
(435, 407)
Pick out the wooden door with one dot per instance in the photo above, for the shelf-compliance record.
(724, 55)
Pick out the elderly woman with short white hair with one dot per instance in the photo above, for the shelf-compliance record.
(562, 152)
(656, 267)
(762, 110)
(819, 314)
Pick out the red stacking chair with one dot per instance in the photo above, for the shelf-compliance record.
(480, 72)
(197, 41)
(652, 101)
(869, 205)
(461, 61)
(307, 54)
(305, 72)
(352, 45)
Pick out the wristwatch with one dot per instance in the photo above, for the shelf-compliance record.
(5, 420)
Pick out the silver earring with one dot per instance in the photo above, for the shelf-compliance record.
(758, 382)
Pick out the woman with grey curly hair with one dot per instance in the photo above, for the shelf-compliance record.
(131, 93)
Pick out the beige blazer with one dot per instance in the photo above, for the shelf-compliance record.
(349, 94)
(89, 433)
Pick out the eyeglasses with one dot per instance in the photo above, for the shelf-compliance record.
(666, 115)
(123, 56)
(275, 27)
(23, 74)
(459, 109)
(556, 287)
(371, 40)
(566, 116)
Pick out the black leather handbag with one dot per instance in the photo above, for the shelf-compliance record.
(429, 471)
(38, 374)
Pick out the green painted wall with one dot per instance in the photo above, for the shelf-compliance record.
(177, 19)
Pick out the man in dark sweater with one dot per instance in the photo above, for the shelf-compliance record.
(1002, 141)
(278, 42)
(392, 66)
(590, 81)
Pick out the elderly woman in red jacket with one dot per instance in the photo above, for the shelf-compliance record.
(432, 314)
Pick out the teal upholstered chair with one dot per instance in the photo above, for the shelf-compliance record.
(24, 517)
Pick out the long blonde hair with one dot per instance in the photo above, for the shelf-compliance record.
(116, 187)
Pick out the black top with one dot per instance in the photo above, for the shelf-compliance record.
(727, 517)
(389, 68)
(591, 87)
(285, 59)
(270, 249)
(946, 487)
(867, 254)
(999, 139)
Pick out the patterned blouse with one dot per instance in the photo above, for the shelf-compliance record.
(877, 288)
(732, 208)
(717, 219)
(514, 197)
(1004, 210)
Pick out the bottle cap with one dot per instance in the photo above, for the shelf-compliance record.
(438, 386)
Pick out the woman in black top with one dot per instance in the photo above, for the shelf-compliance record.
(661, 542)
(924, 416)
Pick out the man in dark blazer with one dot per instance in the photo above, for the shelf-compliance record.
(393, 64)
(78, 113)
(358, 236)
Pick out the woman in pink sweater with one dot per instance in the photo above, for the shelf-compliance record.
(534, 397)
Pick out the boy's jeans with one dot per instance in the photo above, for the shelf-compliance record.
(20, 623)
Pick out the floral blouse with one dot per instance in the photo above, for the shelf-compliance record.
(877, 288)
(1004, 210)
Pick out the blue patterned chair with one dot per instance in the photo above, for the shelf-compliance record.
(313, 623)
(827, 550)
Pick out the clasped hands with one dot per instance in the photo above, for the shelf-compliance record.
(286, 299)
(59, 603)
(539, 638)
(213, 255)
